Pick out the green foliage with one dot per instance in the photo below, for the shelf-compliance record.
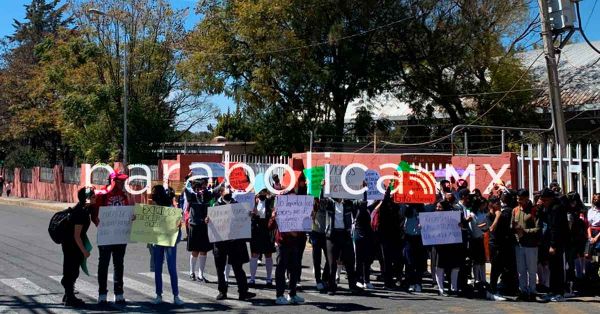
(25, 157)
(233, 126)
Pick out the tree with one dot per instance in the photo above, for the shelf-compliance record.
(233, 126)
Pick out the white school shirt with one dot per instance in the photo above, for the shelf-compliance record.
(261, 208)
(339, 215)
(594, 217)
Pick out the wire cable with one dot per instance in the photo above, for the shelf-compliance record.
(582, 32)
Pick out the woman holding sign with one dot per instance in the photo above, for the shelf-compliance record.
(448, 258)
(262, 238)
(161, 197)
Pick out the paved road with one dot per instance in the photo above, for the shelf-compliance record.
(30, 270)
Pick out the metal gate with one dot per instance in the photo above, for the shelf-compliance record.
(578, 169)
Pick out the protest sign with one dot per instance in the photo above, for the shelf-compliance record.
(314, 176)
(440, 227)
(242, 197)
(294, 212)
(156, 225)
(259, 182)
(115, 225)
(238, 179)
(371, 176)
(229, 222)
(354, 180)
(418, 187)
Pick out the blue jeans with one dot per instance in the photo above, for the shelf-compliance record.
(158, 253)
(527, 268)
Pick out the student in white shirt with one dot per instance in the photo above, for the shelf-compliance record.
(262, 240)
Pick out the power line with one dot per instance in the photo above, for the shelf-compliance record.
(590, 15)
(583, 32)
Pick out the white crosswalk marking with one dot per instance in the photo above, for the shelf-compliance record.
(82, 286)
(203, 290)
(38, 294)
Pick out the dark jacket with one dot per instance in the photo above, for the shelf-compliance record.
(328, 205)
(502, 234)
(235, 250)
(558, 225)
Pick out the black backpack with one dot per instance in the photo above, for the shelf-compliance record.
(59, 228)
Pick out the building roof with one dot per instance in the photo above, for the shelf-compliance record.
(578, 71)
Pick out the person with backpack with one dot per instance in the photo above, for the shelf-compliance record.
(114, 195)
(73, 244)
(527, 228)
(162, 197)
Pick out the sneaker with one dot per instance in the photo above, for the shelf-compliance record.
(157, 300)
(177, 301)
(418, 288)
(251, 283)
(496, 297)
(295, 299)
(221, 296)
(120, 299)
(193, 277)
(320, 286)
(557, 298)
(269, 283)
(246, 295)
(443, 294)
(370, 286)
(102, 300)
(282, 301)
(299, 287)
(411, 288)
(260, 262)
(361, 285)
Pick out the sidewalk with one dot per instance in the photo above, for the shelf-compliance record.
(32, 203)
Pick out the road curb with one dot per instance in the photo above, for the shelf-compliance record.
(35, 204)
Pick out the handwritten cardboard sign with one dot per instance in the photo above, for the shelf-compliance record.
(354, 180)
(229, 222)
(115, 225)
(294, 212)
(371, 176)
(440, 227)
(156, 225)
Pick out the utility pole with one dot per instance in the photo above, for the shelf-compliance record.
(558, 119)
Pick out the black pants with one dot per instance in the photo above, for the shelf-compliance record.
(503, 263)
(364, 257)
(414, 254)
(72, 258)
(289, 259)
(339, 245)
(392, 261)
(236, 265)
(117, 252)
(557, 272)
(319, 249)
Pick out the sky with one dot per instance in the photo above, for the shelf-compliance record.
(13, 9)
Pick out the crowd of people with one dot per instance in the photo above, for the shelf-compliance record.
(541, 246)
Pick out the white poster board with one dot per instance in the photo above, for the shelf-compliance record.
(440, 227)
(229, 222)
(242, 197)
(115, 224)
(354, 180)
(294, 212)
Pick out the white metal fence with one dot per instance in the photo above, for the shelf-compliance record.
(577, 169)
(259, 164)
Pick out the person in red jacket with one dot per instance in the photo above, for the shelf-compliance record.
(114, 195)
(289, 258)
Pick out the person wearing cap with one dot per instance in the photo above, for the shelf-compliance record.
(73, 247)
(558, 232)
(527, 228)
(114, 195)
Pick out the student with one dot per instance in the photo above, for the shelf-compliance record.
(289, 259)
(558, 228)
(593, 232)
(502, 251)
(197, 198)
(262, 241)
(9, 185)
(477, 226)
(362, 236)
(449, 258)
(114, 195)
(390, 232)
(162, 198)
(319, 246)
(414, 252)
(527, 228)
(233, 252)
(576, 242)
(74, 251)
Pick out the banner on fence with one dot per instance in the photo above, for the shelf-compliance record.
(156, 225)
(294, 212)
(229, 222)
(440, 227)
(115, 225)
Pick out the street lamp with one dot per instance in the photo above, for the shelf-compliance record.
(125, 83)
